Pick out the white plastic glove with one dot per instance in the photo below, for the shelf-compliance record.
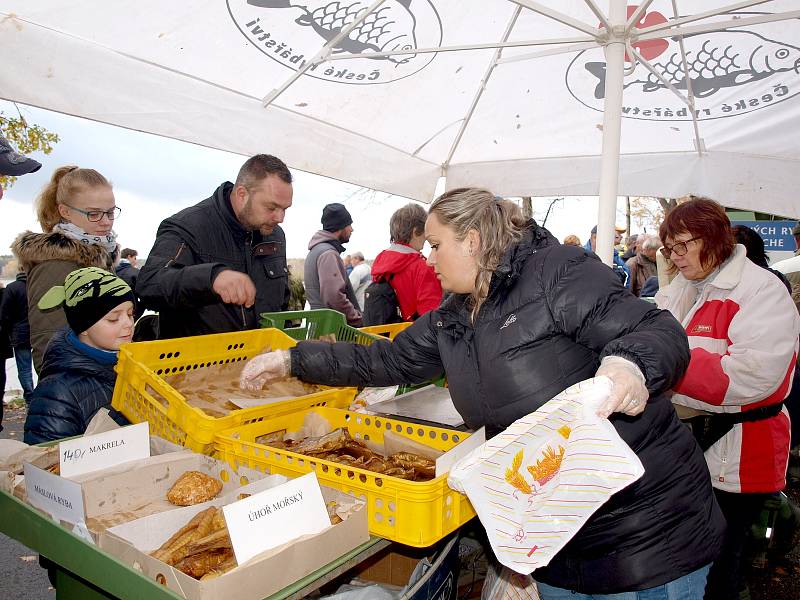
(263, 368)
(628, 390)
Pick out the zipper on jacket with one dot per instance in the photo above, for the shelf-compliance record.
(248, 246)
(485, 410)
(723, 457)
(177, 254)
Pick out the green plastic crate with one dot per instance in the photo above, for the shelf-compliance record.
(324, 321)
(314, 324)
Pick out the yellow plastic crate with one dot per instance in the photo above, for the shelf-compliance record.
(142, 365)
(410, 512)
(390, 330)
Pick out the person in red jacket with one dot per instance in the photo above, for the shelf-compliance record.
(403, 265)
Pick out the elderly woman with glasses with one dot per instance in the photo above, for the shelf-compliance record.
(76, 211)
(743, 335)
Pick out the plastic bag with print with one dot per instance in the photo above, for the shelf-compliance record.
(537, 483)
(502, 583)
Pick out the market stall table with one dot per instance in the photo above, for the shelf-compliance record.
(86, 572)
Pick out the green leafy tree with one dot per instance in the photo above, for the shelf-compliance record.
(25, 138)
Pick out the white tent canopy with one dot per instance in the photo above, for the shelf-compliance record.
(520, 110)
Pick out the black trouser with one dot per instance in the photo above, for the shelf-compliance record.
(726, 577)
(2, 388)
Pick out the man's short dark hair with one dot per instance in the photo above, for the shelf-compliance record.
(260, 167)
(407, 222)
(128, 252)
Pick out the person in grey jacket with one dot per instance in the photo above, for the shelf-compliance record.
(326, 281)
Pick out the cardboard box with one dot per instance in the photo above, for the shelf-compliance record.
(47, 456)
(396, 564)
(141, 490)
(260, 577)
(392, 566)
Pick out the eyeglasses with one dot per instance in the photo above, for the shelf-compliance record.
(97, 215)
(679, 249)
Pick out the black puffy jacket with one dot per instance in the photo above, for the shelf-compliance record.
(14, 312)
(553, 312)
(72, 387)
(191, 248)
(6, 350)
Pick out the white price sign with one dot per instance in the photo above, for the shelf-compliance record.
(275, 516)
(96, 452)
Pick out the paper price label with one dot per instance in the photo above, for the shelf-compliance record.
(60, 497)
(275, 516)
(96, 452)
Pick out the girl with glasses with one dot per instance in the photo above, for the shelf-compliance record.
(76, 211)
(743, 334)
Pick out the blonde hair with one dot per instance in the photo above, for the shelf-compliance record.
(64, 182)
(572, 240)
(499, 223)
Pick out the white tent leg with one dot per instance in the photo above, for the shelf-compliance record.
(612, 124)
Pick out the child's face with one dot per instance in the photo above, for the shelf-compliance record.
(113, 330)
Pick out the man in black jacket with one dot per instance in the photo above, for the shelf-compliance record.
(216, 265)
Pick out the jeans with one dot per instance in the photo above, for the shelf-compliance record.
(24, 371)
(688, 587)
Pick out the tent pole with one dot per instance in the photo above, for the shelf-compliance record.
(559, 42)
(324, 51)
(612, 125)
(698, 141)
(637, 14)
(479, 92)
(558, 16)
(656, 32)
(720, 10)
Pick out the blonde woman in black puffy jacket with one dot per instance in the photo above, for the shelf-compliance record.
(527, 318)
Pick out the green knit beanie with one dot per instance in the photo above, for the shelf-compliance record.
(88, 294)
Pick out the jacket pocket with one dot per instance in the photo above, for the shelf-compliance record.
(275, 267)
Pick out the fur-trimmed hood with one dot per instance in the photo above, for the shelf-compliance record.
(32, 249)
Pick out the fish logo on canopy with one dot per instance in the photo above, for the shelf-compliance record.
(731, 72)
(292, 32)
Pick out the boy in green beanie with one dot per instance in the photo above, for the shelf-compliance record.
(78, 377)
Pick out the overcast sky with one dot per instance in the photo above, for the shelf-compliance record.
(155, 177)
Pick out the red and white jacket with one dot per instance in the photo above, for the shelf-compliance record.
(743, 334)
